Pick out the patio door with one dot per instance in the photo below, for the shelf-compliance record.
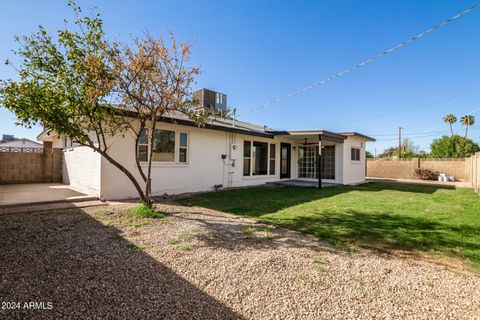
(285, 162)
(307, 162)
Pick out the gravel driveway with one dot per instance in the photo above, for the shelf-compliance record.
(99, 263)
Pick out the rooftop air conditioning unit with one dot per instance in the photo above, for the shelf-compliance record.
(210, 99)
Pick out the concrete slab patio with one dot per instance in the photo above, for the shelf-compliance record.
(302, 183)
(33, 193)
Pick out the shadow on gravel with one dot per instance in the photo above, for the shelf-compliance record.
(239, 236)
(87, 270)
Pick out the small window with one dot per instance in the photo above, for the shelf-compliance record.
(355, 156)
(183, 150)
(247, 154)
(143, 146)
(164, 146)
(272, 159)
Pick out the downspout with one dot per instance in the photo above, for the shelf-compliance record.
(319, 162)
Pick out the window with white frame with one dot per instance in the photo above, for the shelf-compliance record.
(183, 148)
(355, 154)
(143, 146)
(272, 159)
(258, 158)
(169, 146)
(247, 154)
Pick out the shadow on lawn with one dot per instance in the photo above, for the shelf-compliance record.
(87, 270)
(383, 229)
(388, 231)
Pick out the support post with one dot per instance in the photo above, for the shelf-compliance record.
(319, 162)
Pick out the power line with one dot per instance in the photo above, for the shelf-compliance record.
(446, 132)
(402, 110)
(363, 63)
(381, 115)
(408, 134)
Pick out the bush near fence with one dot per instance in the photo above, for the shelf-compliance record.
(30, 165)
(405, 168)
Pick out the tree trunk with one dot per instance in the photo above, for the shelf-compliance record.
(466, 132)
(137, 161)
(148, 183)
(451, 130)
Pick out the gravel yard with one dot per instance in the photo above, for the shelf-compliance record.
(100, 263)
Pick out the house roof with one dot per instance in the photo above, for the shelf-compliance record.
(229, 125)
(359, 135)
(19, 142)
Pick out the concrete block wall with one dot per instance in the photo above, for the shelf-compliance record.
(31, 167)
(390, 168)
(405, 168)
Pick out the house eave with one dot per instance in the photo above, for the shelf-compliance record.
(358, 135)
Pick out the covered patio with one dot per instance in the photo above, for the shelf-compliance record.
(307, 154)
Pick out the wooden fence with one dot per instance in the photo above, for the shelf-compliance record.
(472, 166)
(30, 165)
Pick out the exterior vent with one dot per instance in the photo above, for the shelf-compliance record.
(210, 99)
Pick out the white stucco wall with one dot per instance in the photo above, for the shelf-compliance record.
(205, 167)
(353, 171)
(81, 170)
(92, 174)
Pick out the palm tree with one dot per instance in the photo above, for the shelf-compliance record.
(450, 119)
(467, 121)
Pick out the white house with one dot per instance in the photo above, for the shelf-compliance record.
(9, 141)
(232, 154)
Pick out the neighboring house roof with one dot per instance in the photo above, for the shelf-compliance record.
(237, 126)
(21, 143)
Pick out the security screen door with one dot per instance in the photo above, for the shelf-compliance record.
(307, 162)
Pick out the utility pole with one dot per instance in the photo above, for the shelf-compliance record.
(399, 142)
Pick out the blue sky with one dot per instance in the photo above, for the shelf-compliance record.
(256, 51)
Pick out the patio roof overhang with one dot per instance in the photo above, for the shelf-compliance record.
(316, 134)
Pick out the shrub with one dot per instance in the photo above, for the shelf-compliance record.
(144, 211)
(426, 174)
(453, 147)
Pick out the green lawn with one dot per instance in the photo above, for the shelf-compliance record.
(423, 219)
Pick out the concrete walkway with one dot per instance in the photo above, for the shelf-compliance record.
(302, 183)
(50, 206)
(21, 194)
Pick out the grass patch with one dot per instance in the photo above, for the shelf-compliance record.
(104, 212)
(248, 230)
(185, 248)
(140, 224)
(143, 211)
(134, 246)
(426, 219)
(321, 263)
(174, 241)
